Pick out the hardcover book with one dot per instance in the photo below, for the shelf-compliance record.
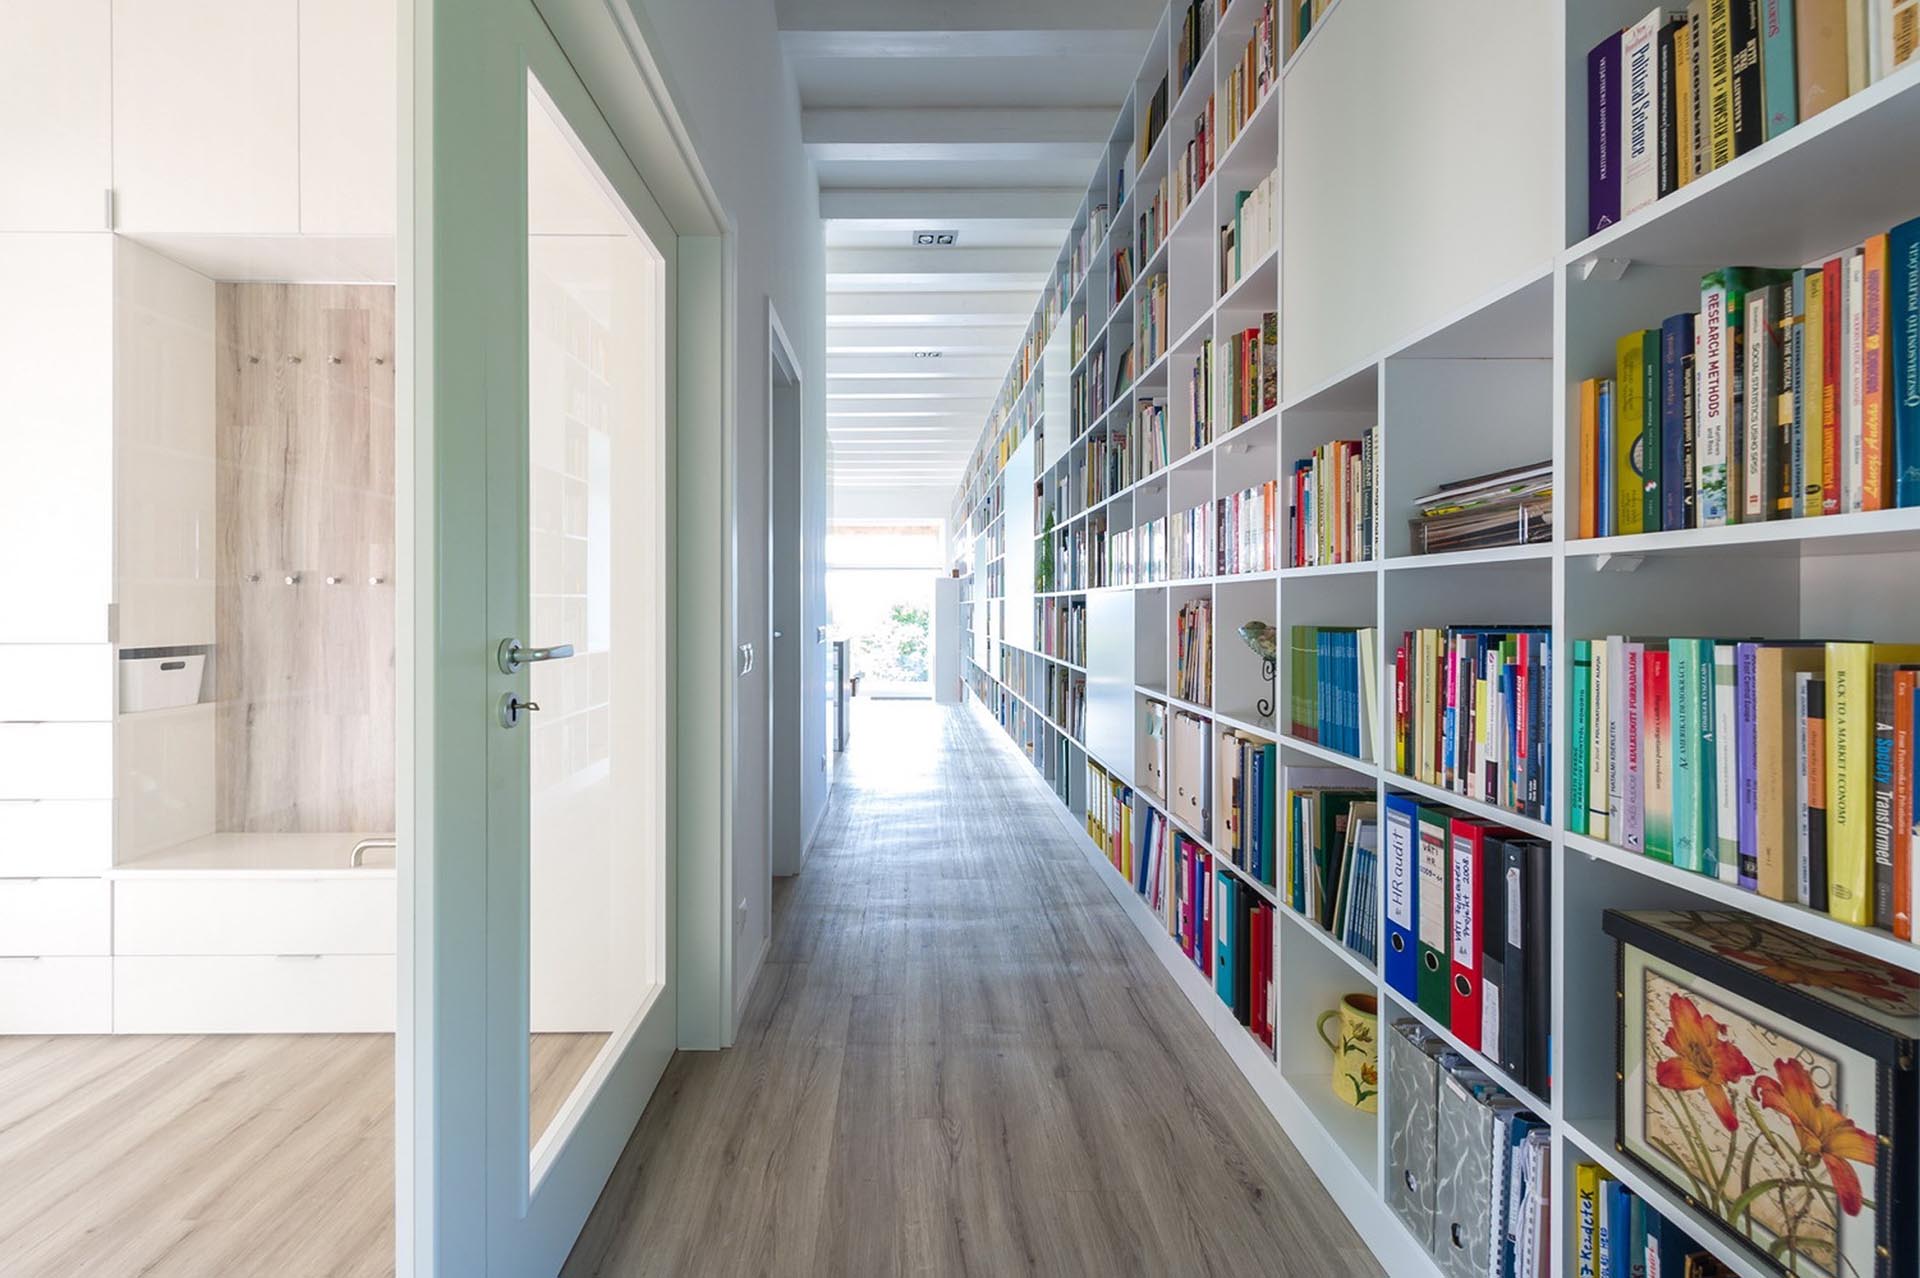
(1603, 122)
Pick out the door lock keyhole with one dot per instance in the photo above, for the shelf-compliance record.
(512, 707)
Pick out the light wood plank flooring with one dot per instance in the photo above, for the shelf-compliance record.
(212, 1155)
(960, 1059)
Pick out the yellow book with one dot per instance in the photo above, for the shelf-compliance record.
(1628, 487)
(1683, 99)
(1587, 1206)
(1812, 333)
(1850, 773)
(1719, 94)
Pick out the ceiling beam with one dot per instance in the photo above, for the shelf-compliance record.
(1078, 128)
(1052, 45)
(959, 204)
(933, 263)
(985, 309)
(944, 15)
(1000, 340)
(932, 371)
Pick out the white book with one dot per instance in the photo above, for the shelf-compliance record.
(1711, 396)
(1599, 738)
(1853, 369)
(1754, 485)
(1639, 114)
(1726, 770)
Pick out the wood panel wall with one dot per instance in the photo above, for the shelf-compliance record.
(304, 673)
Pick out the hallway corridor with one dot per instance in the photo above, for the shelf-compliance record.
(961, 1058)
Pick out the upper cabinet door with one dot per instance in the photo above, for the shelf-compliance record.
(206, 116)
(56, 127)
(349, 90)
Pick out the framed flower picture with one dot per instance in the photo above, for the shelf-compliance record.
(1783, 1109)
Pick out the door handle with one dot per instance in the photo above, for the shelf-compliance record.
(513, 656)
(746, 658)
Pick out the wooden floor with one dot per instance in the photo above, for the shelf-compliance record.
(960, 1059)
(212, 1155)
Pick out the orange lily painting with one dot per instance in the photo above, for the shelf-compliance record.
(1751, 1120)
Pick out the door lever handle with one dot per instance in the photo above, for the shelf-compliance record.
(513, 656)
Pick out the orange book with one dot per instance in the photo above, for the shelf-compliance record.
(1589, 456)
(1873, 379)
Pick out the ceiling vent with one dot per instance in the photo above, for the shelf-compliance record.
(936, 239)
(926, 354)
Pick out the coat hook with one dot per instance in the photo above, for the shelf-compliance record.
(253, 359)
(375, 581)
(293, 359)
(253, 576)
(333, 359)
(333, 581)
(379, 359)
(293, 579)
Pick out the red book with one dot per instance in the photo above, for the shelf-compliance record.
(1903, 683)
(1468, 882)
(1832, 350)
(1400, 703)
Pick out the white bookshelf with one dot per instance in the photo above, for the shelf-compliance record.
(1493, 383)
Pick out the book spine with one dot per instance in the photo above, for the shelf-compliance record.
(1853, 402)
(1676, 342)
(1811, 412)
(1640, 168)
(1777, 72)
(1603, 144)
(1667, 104)
(1873, 375)
(1712, 429)
(1903, 323)
(1804, 777)
(1616, 742)
(1743, 56)
(1818, 777)
(1882, 819)
(1658, 749)
(1632, 738)
(1757, 407)
(1598, 748)
(1848, 734)
(1577, 762)
(1726, 779)
(1747, 799)
(1651, 431)
(1902, 822)
(1720, 136)
(1832, 357)
(1688, 854)
(1697, 83)
(1628, 457)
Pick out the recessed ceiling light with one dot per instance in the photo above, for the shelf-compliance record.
(926, 354)
(930, 239)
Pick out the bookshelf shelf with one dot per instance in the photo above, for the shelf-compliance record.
(1870, 941)
(1260, 888)
(1484, 385)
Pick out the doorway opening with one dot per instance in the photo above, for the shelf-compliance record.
(880, 593)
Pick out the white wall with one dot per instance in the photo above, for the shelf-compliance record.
(1419, 165)
(724, 66)
(902, 502)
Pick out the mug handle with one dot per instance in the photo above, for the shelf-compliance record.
(1320, 1028)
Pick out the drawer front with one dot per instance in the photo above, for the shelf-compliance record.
(56, 760)
(56, 995)
(255, 994)
(204, 914)
(56, 682)
(48, 917)
(55, 836)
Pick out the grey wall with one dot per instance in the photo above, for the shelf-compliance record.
(723, 64)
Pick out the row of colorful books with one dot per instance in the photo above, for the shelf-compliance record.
(1193, 651)
(1790, 394)
(1470, 1167)
(1140, 553)
(1243, 962)
(1468, 932)
(1331, 505)
(1254, 74)
(1189, 903)
(1247, 520)
(1252, 232)
(1250, 381)
(1331, 687)
(1193, 29)
(1471, 713)
(1511, 507)
(1787, 769)
(1062, 627)
(1110, 820)
(1193, 547)
(1109, 464)
(1683, 92)
(1332, 837)
(1154, 222)
(1150, 321)
(1150, 423)
(1065, 702)
(1245, 773)
(1200, 396)
(1090, 392)
(1194, 165)
(1616, 1234)
(1085, 245)
(1302, 17)
(1122, 276)
(1149, 867)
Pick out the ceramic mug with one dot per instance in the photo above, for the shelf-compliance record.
(1356, 1054)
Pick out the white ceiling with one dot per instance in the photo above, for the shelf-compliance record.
(985, 118)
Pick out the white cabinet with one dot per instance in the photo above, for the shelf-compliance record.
(56, 434)
(206, 116)
(207, 914)
(349, 94)
(56, 995)
(66, 682)
(55, 836)
(56, 760)
(255, 994)
(63, 917)
(56, 97)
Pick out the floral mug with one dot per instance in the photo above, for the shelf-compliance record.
(1356, 1055)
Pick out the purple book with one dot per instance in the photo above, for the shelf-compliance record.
(1603, 127)
(1746, 709)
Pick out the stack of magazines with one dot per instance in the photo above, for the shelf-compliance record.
(1506, 508)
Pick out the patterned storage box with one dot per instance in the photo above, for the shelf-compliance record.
(1769, 1079)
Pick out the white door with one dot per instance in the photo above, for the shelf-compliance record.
(540, 987)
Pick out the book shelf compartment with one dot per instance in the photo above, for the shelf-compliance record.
(1491, 386)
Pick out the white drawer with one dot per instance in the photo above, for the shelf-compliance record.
(55, 836)
(255, 994)
(56, 995)
(56, 760)
(56, 682)
(206, 914)
(55, 916)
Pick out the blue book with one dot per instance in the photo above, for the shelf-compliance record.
(1779, 84)
(1603, 415)
(1225, 921)
(1676, 342)
(1667, 1247)
(1619, 1228)
(1605, 148)
(1903, 297)
(1400, 831)
(1350, 682)
(1637, 1239)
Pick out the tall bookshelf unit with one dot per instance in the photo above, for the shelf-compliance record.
(1067, 665)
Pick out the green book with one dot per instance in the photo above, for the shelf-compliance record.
(1689, 672)
(1629, 444)
(1650, 439)
(1582, 708)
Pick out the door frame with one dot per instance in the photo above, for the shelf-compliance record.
(784, 373)
(464, 334)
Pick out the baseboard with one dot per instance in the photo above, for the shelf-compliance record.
(753, 976)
